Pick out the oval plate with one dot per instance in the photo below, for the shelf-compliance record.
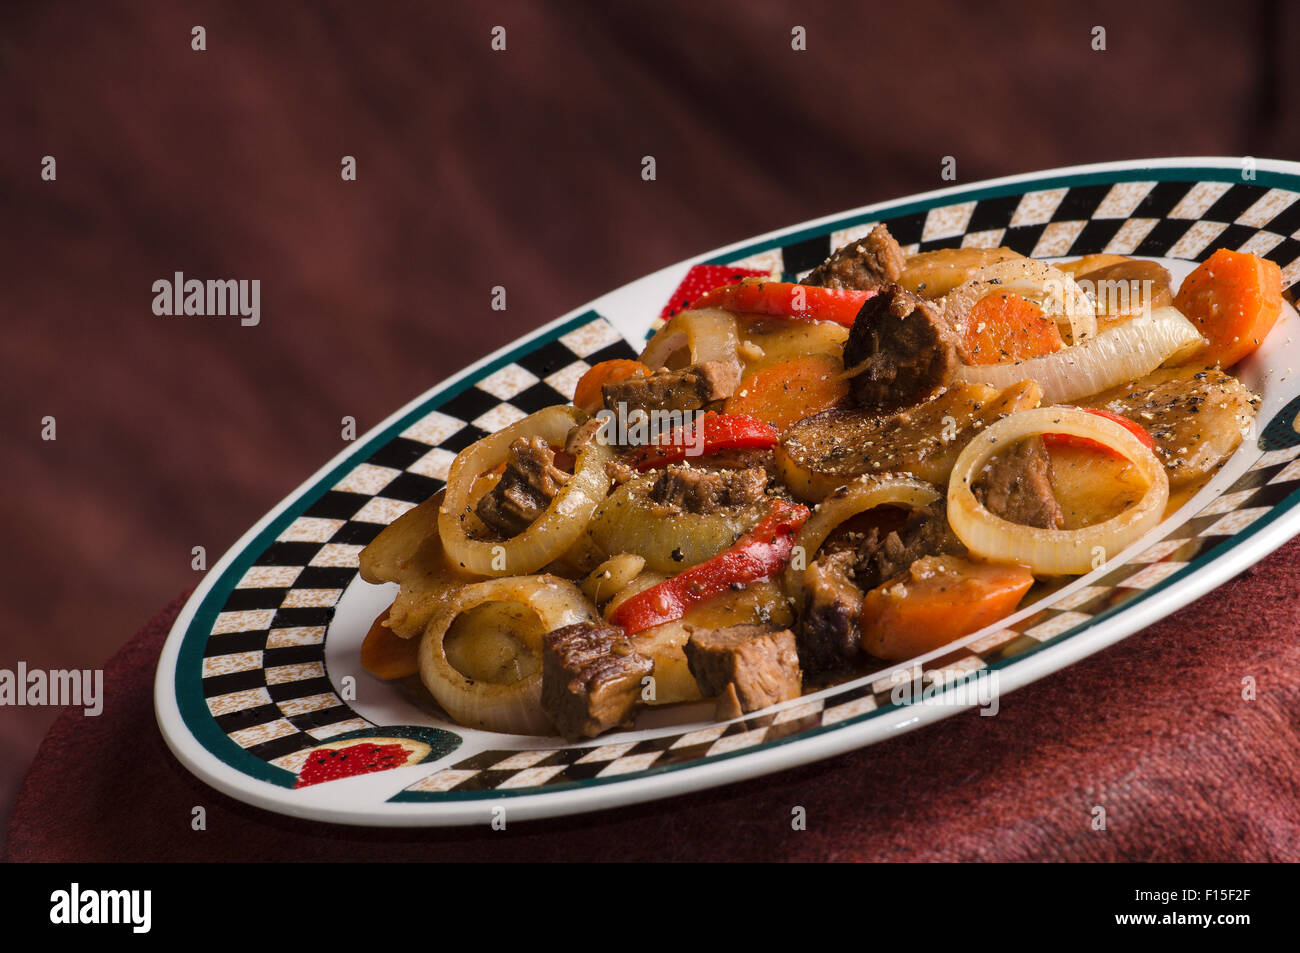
(259, 689)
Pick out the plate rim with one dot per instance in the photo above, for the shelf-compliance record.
(1256, 542)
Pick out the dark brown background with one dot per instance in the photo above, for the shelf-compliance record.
(475, 169)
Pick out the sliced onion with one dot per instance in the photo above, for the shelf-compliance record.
(708, 334)
(552, 533)
(1052, 552)
(865, 493)
(1052, 289)
(628, 521)
(514, 707)
(1121, 353)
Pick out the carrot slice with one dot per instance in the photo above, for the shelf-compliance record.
(587, 395)
(386, 655)
(941, 598)
(1007, 327)
(785, 392)
(1234, 299)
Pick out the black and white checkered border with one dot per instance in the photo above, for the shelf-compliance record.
(263, 674)
(1273, 478)
(1185, 220)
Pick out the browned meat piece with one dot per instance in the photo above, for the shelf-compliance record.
(619, 472)
(871, 262)
(591, 678)
(742, 460)
(527, 487)
(1017, 485)
(581, 435)
(708, 491)
(854, 563)
(902, 350)
(829, 637)
(745, 666)
(883, 555)
(688, 389)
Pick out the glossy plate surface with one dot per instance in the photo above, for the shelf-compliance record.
(259, 689)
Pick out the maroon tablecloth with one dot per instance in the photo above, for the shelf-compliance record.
(1154, 730)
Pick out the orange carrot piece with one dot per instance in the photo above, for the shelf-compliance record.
(1007, 327)
(587, 395)
(1234, 299)
(386, 655)
(782, 393)
(940, 599)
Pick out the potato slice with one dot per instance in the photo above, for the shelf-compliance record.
(1092, 486)
(824, 452)
(758, 603)
(1125, 289)
(1087, 263)
(766, 341)
(932, 274)
(1197, 416)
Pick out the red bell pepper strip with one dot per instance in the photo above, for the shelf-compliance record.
(758, 554)
(711, 433)
(1087, 443)
(787, 300)
(702, 278)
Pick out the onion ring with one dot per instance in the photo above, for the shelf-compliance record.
(709, 334)
(865, 493)
(1052, 552)
(514, 707)
(552, 533)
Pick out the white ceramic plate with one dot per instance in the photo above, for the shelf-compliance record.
(259, 686)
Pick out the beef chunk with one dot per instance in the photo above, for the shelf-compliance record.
(743, 459)
(708, 491)
(745, 666)
(902, 350)
(577, 439)
(871, 262)
(829, 637)
(1017, 486)
(882, 555)
(619, 472)
(852, 564)
(527, 487)
(591, 678)
(688, 389)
